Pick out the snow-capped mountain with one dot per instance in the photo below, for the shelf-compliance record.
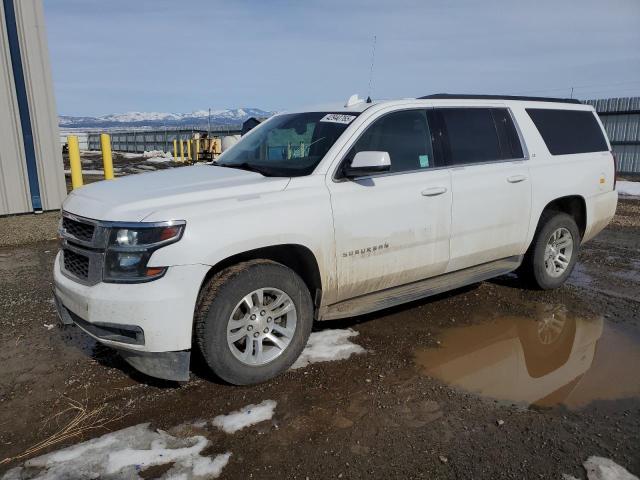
(159, 119)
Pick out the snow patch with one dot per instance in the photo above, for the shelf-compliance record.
(245, 417)
(160, 159)
(158, 156)
(138, 116)
(600, 468)
(328, 345)
(156, 153)
(130, 155)
(124, 454)
(90, 172)
(629, 189)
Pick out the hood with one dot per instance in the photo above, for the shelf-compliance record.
(132, 198)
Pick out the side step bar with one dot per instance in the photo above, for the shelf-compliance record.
(391, 297)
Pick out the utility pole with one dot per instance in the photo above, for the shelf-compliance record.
(209, 123)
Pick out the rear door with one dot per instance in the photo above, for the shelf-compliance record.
(392, 228)
(491, 189)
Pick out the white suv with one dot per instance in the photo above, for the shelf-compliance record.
(325, 214)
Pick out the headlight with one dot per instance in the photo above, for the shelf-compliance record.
(130, 246)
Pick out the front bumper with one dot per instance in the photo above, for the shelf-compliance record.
(149, 323)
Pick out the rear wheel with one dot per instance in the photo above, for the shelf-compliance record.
(252, 321)
(547, 340)
(553, 252)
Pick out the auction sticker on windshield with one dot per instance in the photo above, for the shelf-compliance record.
(338, 118)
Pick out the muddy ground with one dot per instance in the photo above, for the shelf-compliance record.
(404, 409)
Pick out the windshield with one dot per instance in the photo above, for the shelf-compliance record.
(289, 145)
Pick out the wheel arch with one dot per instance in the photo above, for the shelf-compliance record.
(297, 257)
(573, 205)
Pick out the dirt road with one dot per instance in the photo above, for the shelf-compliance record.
(492, 381)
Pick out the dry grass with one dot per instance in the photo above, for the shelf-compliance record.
(82, 420)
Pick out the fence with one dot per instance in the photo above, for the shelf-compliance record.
(139, 141)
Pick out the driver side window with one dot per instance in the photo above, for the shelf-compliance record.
(404, 135)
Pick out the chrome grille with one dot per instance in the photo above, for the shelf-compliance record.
(76, 264)
(83, 243)
(77, 229)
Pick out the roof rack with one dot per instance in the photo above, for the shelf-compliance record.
(453, 96)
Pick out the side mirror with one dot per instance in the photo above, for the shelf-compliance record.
(367, 163)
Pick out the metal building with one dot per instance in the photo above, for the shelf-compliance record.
(31, 170)
(621, 120)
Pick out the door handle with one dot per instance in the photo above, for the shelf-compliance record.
(433, 191)
(516, 178)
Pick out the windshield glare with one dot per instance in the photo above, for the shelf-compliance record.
(289, 145)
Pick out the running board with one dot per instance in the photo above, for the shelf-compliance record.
(391, 297)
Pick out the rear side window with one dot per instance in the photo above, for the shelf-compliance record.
(472, 135)
(568, 131)
(404, 135)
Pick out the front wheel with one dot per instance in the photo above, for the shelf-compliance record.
(252, 321)
(553, 252)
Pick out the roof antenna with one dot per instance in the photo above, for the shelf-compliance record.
(373, 58)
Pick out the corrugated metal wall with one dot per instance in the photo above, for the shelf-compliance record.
(14, 187)
(15, 192)
(621, 120)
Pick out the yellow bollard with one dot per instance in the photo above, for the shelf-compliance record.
(181, 151)
(175, 150)
(197, 149)
(74, 161)
(189, 149)
(107, 159)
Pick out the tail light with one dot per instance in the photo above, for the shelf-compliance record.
(615, 169)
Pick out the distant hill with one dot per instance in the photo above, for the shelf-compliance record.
(159, 119)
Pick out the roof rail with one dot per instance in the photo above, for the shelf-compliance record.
(453, 96)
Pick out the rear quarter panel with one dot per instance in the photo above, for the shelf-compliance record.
(589, 175)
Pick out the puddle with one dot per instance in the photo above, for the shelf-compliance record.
(549, 358)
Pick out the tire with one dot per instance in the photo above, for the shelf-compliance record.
(535, 266)
(235, 292)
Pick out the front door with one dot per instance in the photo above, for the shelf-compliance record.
(392, 228)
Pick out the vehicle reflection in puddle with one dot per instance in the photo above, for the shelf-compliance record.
(548, 359)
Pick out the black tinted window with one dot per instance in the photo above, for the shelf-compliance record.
(568, 131)
(510, 145)
(472, 135)
(404, 135)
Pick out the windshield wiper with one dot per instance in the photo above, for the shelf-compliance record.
(246, 166)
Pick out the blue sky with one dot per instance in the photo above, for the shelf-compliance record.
(160, 55)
